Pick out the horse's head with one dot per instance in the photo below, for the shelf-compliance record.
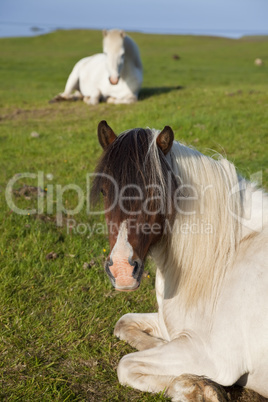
(138, 185)
(113, 48)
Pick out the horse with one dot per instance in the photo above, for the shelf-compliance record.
(114, 76)
(206, 229)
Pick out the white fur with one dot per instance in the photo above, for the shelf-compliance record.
(91, 75)
(122, 247)
(211, 288)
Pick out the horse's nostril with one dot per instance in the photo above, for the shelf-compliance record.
(136, 268)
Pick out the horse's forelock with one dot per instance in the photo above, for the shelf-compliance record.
(114, 39)
(133, 160)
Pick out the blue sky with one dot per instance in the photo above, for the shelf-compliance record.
(163, 16)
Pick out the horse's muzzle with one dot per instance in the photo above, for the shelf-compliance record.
(126, 276)
(114, 80)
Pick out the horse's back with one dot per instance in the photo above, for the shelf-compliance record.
(89, 62)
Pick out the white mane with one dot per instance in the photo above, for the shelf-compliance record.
(207, 231)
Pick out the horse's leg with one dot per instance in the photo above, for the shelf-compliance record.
(189, 387)
(94, 97)
(72, 84)
(182, 367)
(140, 330)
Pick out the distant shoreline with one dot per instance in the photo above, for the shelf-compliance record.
(13, 29)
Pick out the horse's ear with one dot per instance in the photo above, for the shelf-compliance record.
(165, 139)
(105, 134)
(104, 32)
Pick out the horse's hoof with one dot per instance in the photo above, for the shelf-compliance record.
(189, 388)
(90, 100)
(110, 99)
(57, 98)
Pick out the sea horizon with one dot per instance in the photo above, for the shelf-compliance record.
(13, 29)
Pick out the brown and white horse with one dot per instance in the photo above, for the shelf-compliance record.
(206, 230)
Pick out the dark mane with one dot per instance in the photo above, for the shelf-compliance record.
(129, 161)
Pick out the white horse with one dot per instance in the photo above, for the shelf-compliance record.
(114, 76)
(212, 276)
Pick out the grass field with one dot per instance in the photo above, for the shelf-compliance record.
(57, 307)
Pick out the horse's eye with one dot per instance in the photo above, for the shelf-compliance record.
(103, 192)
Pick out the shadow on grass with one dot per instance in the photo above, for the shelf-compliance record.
(148, 92)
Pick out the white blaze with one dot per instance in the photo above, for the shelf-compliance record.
(121, 254)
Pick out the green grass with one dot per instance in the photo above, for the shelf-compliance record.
(57, 317)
